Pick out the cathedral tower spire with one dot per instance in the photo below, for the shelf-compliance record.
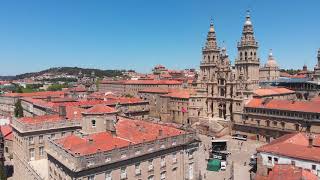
(210, 54)
(211, 42)
(247, 63)
(318, 58)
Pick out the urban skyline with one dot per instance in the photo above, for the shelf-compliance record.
(139, 35)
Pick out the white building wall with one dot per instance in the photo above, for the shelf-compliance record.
(288, 160)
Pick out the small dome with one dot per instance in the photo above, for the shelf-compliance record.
(271, 61)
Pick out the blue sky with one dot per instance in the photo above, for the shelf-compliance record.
(138, 34)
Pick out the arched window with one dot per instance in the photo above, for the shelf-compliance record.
(93, 123)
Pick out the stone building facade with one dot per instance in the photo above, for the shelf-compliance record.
(316, 76)
(169, 156)
(221, 88)
(29, 141)
(132, 87)
(266, 119)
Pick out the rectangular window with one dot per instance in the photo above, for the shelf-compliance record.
(93, 123)
(174, 157)
(314, 167)
(123, 174)
(41, 151)
(293, 163)
(269, 159)
(137, 167)
(41, 139)
(108, 175)
(191, 171)
(163, 175)
(31, 140)
(150, 164)
(31, 153)
(91, 177)
(163, 161)
(275, 160)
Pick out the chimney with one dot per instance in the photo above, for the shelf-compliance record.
(62, 111)
(310, 141)
(160, 132)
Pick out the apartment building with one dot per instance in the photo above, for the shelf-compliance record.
(134, 150)
(297, 149)
(266, 119)
(132, 87)
(29, 140)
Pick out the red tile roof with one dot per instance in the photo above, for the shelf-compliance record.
(6, 131)
(183, 94)
(288, 172)
(128, 131)
(273, 91)
(294, 145)
(37, 94)
(147, 82)
(298, 106)
(156, 90)
(100, 109)
(73, 113)
(79, 88)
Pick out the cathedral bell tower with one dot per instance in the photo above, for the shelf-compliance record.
(316, 75)
(247, 63)
(210, 55)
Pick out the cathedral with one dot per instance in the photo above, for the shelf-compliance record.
(221, 88)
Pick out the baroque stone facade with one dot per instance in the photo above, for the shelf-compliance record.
(221, 88)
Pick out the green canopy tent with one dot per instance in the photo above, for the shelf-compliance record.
(213, 165)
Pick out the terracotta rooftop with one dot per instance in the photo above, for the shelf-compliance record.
(288, 172)
(298, 106)
(183, 94)
(294, 145)
(127, 131)
(147, 82)
(79, 88)
(273, 91)
(37, 94)
(6, 131)
(100, 109)
(156, 90)
(72, 113)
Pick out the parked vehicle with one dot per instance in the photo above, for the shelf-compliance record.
(239, 137)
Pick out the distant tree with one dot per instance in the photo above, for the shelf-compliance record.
(128, 96)
(56, 87)
(18, 110)
(18, 89)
